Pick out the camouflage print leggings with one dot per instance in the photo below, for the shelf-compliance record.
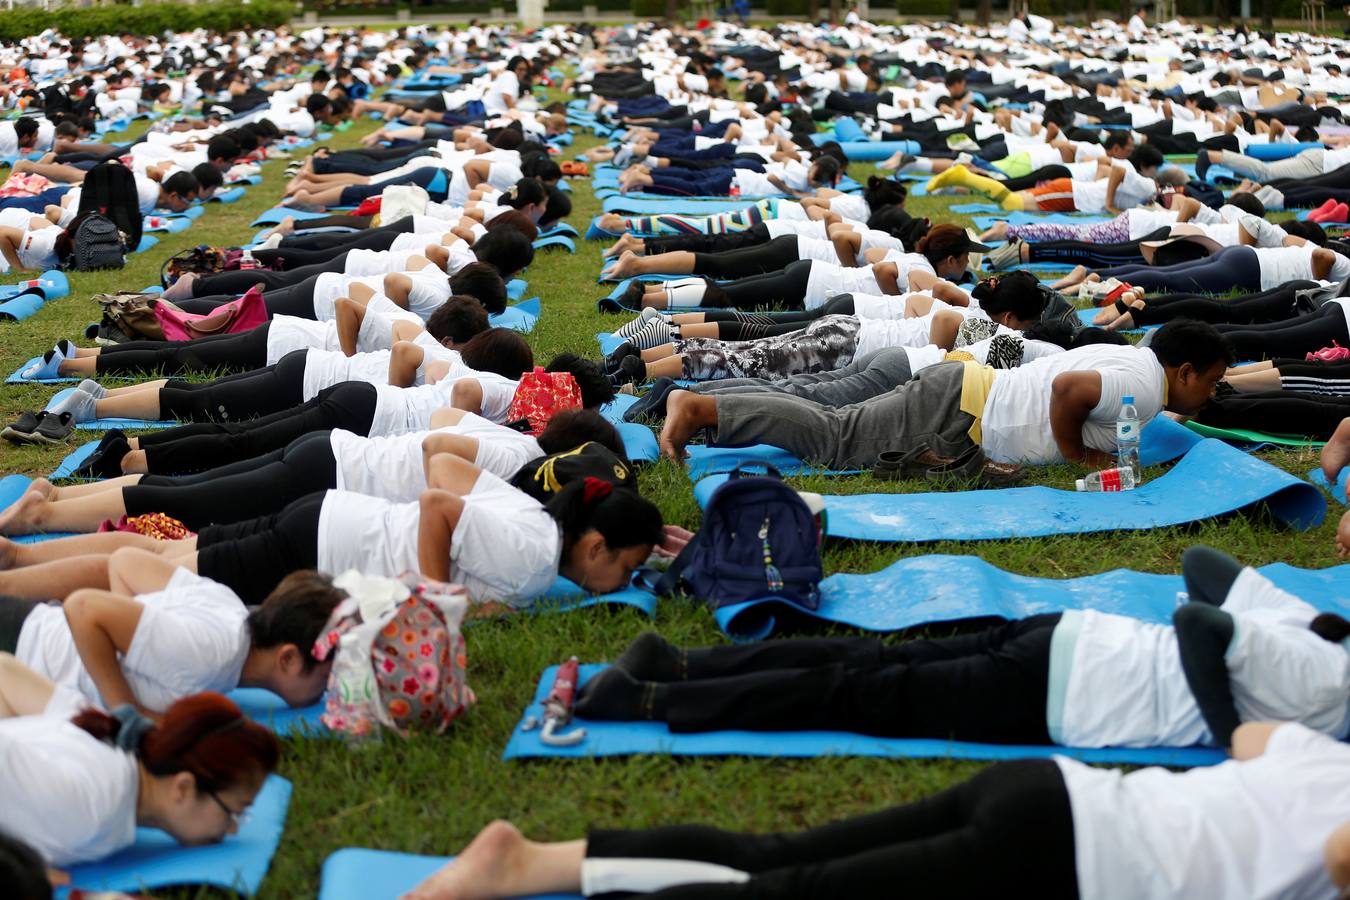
(824, 345)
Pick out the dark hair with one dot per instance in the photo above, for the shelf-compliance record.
(68, 129)
(208, 176)
(1183, 341)
(1309, 231)
(1017, 292)
(507, 250)
(596, 387)
(507, 138)
(22, 871)
(500, 351)
(524, 192)
(826, 170)
(559, 207)
(1094, 335)
(205, 734)
(517, 221)
(457, 320)
(539, 166)
(1058, 331)
(571, 428)
(222, 147)
(955, 76)
(181, 183)
(881, 192)
(623, 517)
(942, 241)
(1146, 156)
(295, 613)
(482, 282)
(1117, 137)
(25, 126)
(1330, 627)
(316, 104)
(1248, 203)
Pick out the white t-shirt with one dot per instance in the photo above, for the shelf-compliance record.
(392, 467)
(192, 637)
(69, 796)
(1235, 831)
(1280, 265)
(400, 410)
(1016, 420)
(1134, 190)
(505, 546)
(504, 87)
(378, 262)
(827, 280)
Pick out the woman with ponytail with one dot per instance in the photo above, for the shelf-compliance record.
(77, 789)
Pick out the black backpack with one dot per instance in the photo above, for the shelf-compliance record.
(759, 539)
(96, 244)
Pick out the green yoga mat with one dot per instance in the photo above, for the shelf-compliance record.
(1252, 437)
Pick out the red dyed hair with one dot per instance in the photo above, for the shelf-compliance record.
(205, 734)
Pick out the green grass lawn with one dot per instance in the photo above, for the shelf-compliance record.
(431, 794)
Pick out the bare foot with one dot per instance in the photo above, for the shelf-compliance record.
(303, 201)
(1073, 279)
(1108, 314)
(1125, 321)
(373, 138)
(614, 223)
(1336, 453)
(999, 232)
(626, 244)
(483, 871)
(625, 267)
(1342, 536)
(180, 289)
(44, 487)
(686, 413)
(24, 516)
(892, 163)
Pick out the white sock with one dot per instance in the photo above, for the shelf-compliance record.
(922, 164)
(605, 875)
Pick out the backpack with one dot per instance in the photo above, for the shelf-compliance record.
(130, 313)
(202, 260)
(97, 245)
(538, 396)
(759, 539)
(400, 656)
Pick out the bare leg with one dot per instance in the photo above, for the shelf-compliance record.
(84, 489)
(79, 365)
(23, 692)
(142, 388)
(665, 351)
(1343, 536)
(1247, 382)
(34, 514)
(57, 580)
(629, 264)
(500, 862)
(14, 556)
(668, 367)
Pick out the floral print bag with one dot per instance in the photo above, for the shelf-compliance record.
(400, 657)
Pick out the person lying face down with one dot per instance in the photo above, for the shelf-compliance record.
(79, 781)
(1055, 409)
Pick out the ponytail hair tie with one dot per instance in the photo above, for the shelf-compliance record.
(133, 728)
(595, 489)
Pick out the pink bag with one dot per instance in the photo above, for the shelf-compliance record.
(244, 314)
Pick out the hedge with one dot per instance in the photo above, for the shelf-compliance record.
(153, 18)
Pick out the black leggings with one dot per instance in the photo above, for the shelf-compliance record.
(1294, 337)
(708, 243)
(207, 445)
(234, 398)
(1333, 185)
(1090, 254)
(246, 350)
(783, 288)
(1009, 825)
(242, 490)
(988, 686)
(1232, 267)
(838, 305)
(237, 281)
(1308, 377)
(364, 239)
(251, 557)
(1031, 179)
(296, 300)
(753, 260)
(1274, 305)
(1277, 412)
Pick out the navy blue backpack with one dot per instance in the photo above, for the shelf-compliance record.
(759, 539)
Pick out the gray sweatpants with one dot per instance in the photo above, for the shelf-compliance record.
(1306, 164)
(876, 373)
(926, 410)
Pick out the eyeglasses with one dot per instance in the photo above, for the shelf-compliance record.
(233, 816)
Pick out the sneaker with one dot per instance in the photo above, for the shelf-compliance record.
(21, 429)
(1006, 256)
(638, 324)
(962, 142)
(53, 428)
(614, 361)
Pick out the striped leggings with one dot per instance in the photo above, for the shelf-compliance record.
(1328, 379)
(824, 345)
(722, 223)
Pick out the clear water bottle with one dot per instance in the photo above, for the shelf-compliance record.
(1127, 439)
(1107, 481)
(247, 261)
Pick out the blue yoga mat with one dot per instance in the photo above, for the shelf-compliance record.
(147, 241)
(358, 874)
(516, 287)
(938, 588)
(561, 228)
(522, 317)
(628, 738)
(156, 860)
(557, 240)
(167, 224)
(16, 377)
(1210, 480)
(1338, 491)
(73, 460)
(21, 307)
(105, 424)
(1021, 217)
(595, 233)
(53, 284)
(1087, 315)
(228, 196)
(274, 215)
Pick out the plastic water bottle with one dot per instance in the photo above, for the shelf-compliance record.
(247, 261)
(1127, 439)
(1107, 481)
